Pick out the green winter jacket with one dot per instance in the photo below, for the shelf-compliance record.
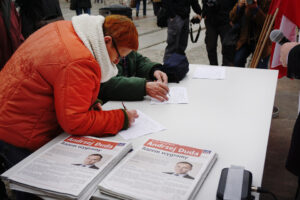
(129, 85)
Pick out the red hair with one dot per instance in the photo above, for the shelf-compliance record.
(122, 30)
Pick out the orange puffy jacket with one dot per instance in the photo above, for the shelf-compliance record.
(51, 81)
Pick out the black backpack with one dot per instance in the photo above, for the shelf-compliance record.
(116, 9)
(176, 67)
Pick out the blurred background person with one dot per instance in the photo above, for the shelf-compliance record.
(81, 6)
(138, 2)
(250, 14)
(156, 6)
(216, 19)
(178, 24)
(10, 31)
(35, 14)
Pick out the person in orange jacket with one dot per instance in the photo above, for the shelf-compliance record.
(50, 84)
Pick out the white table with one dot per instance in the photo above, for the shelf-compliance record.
(231, 117)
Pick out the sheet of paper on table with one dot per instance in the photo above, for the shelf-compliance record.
(177, 95)
(143, 125)
(210, 72)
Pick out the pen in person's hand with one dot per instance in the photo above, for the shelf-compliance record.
(124, 106)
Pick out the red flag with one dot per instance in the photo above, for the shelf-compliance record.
(291, 11)
(287, 21)
(274, 4)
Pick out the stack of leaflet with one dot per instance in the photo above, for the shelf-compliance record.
(68, 167)
(159, 170)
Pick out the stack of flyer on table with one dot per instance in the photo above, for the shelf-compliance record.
(68, 167)
(158, 170)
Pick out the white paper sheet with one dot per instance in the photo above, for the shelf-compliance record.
(211, 72)
(143, 125)
(176, 95)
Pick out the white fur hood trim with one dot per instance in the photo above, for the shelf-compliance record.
(89, 30)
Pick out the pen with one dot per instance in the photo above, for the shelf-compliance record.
(124, 106)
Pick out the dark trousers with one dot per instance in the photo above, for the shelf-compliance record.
(156, 7)
(138, 2)
(11, 155)
(263, 63)
(293, 159)
(297, 197)
(242, 54)
(85, 10)
(211, 41)
(178, 34)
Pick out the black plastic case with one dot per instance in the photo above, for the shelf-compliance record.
(246, 188)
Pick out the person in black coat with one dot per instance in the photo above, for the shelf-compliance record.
(35, 14)
(81, 5)
(290, 57)
(216, 19)
(10, 31)
(178, 24)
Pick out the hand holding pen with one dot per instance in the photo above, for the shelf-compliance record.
(132, 115)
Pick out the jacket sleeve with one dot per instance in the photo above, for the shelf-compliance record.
(236, 14)
(196, 7)
(204, 8)
(233, 14)
(168, 4)
(129, 88)
(143, 65)
(123, 88)
(293, 70)
(260, 17)
(57, 8)
(75, 89)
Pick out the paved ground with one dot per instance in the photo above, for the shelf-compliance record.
(276, 178)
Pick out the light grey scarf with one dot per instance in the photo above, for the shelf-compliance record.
(89, 30)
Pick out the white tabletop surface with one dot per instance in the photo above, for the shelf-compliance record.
(231, 117)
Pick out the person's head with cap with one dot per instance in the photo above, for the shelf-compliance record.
(108, 39)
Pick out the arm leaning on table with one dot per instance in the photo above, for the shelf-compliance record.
(135, 79)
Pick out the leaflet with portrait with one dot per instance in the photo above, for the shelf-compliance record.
(159, 170)
(68, 167)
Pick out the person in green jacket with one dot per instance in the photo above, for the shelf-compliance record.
(137, 77)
